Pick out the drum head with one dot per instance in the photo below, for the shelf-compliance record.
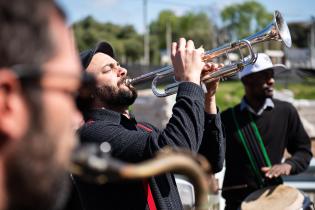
(278, 197)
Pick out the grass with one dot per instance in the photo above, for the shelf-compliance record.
(231, 92)
(303, 90)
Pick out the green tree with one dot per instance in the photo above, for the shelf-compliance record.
(127, 43)
(195, 26)
(158, 28)
(198, 28)
(300, 34)
(245, 18)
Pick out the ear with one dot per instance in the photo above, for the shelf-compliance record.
(14, 116)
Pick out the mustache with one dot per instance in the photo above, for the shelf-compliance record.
(123, 80)
(268, 86)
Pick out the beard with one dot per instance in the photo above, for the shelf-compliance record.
(35, 181)
(115, 97)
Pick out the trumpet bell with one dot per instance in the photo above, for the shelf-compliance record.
(283, 29)
(277, 30)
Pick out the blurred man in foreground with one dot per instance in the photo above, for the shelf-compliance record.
(39, 75)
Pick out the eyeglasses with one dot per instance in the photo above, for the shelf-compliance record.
(80, 87)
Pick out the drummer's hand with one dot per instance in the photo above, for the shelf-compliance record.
(187, 61)
(277, 170)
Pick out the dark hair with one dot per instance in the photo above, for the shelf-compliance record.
(25, 39)
(24, 34)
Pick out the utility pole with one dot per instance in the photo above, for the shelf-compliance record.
(312, 44)
(146, 34)
(168, 39)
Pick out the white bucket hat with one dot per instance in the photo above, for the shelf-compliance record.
(262, 63)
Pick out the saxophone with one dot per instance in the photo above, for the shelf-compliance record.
(94, 163)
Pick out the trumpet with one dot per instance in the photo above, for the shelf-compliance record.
(277, 30)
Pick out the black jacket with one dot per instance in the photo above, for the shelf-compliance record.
(189, 127)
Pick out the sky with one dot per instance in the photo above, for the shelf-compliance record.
(130, 12)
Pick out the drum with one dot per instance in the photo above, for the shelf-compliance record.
(280, 197)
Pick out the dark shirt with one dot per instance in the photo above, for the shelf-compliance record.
(189, 127)
(280, 128)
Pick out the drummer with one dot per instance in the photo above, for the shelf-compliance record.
(259, 129)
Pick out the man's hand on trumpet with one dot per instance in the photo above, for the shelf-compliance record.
(211, 86)
(187, 61)
(189, 67)
(210, 102)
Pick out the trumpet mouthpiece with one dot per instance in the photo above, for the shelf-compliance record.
(128, 81)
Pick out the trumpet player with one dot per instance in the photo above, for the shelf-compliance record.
(195, 125)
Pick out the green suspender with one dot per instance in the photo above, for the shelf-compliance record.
(248, 152)
(251, 158)
(261, 143)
